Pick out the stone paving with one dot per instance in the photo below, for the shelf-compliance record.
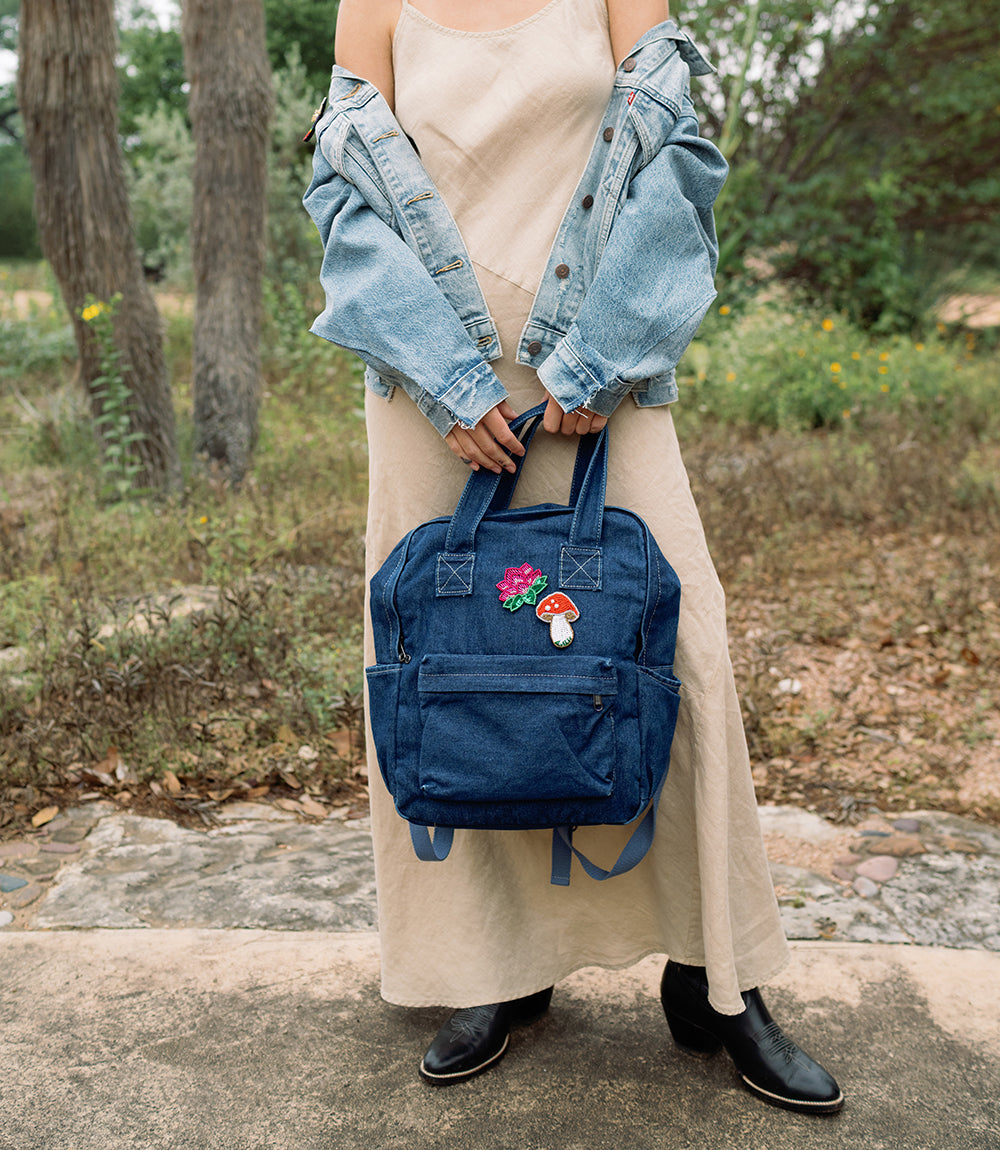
(929, 878)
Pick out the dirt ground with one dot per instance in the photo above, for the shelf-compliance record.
(869, 675)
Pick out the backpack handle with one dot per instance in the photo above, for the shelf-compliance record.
(485, 491)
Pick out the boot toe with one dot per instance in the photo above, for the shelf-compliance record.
(469, 1042)
(793, 1081)
(476, 1037)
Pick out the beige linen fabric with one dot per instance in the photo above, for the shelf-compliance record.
(486, 925)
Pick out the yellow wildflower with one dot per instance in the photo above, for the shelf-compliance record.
(846, 413)
(941, 328)
(725, 309)
(855, 355)
(883, 370)
(92, 312)
(843, 385)
(730, 377)
(919, 346)
(203, 519)
(885, 387)
(835, 367)
(827, 325)
(883, 356)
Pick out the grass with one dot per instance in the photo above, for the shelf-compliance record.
(178, 654)
(216, 636)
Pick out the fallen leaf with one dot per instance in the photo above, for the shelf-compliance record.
(343, 744)
(257, 792)
(220, 796)
(102, 778)
(288, 805)
(290, 780)
(172, 782)
(44, 816)
(313, 809)
(286, 734)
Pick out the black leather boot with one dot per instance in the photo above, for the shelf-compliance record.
(476, 1037)
(769, 1063)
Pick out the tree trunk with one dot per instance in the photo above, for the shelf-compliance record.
(230, 105)
(68, 96)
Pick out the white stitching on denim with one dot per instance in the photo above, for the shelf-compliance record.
(454, 572)
(587, 581)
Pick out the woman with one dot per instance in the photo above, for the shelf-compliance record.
(579, 269)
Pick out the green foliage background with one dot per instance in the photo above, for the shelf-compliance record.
(863, 136)
(864, 141)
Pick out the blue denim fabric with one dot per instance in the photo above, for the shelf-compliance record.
(628, 280)
(487, 716)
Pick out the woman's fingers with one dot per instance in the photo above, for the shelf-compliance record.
(576, 422)
(488, 443)
(552, 419)
(506, 410)
(483, 445)
(497, 435)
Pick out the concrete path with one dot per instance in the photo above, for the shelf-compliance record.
(170, 988)
(257, 1040)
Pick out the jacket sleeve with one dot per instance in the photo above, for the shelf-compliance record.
(654, 282)
(382, 304)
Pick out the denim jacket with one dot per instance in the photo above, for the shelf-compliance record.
(627, 282)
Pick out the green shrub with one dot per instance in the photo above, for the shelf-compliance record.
(771, 367)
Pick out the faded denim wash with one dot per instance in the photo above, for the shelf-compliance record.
(626, 284)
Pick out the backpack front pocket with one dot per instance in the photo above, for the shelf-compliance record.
(517, 728)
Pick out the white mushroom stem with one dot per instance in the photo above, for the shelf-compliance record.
(561, 631)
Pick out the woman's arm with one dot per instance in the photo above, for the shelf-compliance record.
(364, 41)
(364, 46)
(630, 19)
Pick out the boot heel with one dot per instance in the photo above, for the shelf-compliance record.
(694, 1040)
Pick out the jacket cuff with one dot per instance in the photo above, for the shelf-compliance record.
(472, 395)
(577, 376)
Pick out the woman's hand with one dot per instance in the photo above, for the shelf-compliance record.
(484, 445)
(577, 422)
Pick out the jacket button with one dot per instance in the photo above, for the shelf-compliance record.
(609, 134)
(562, 270)
(588, 201)
(534, 347)
(629, 65)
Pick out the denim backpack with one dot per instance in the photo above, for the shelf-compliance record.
(524, 666)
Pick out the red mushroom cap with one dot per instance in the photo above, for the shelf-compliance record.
(557, 604)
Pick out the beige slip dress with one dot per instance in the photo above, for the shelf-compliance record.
(504, 122)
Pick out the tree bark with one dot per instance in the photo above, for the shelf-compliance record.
(230, 103)
(68, 96)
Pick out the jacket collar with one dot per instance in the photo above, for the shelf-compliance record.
(658, 43)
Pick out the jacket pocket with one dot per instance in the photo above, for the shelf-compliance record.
(517, 728)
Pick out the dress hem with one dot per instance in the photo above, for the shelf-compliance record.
(535, 986)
